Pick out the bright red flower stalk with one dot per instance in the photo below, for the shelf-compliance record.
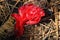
(27, 14)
